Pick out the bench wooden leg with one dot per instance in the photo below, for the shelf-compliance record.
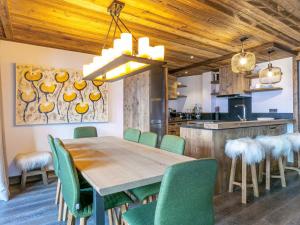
(44, 175)
(23, 179)
(244, 180)
(281, 171)
(232, 175)
(58, 188)
(254, 180)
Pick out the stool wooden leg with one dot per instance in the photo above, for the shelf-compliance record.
(244, 180)
(71, 219)
(83, 221)
(44, 176)
(298, 156)
(232, 175)
(254, 180)
(58, 186)
(281, 170)
(65, 212)
(268, 172)
(23, 179)
(261, 171)
(60, 207)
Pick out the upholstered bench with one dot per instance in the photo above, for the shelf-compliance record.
(33, 163)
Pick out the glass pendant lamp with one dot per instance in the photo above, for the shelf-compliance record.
(270, 75)
(244, 61)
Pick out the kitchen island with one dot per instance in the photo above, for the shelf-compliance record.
(207, 139)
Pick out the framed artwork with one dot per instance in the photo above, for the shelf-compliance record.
(47, 95)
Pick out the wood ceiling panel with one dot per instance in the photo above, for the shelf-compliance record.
(204, 29)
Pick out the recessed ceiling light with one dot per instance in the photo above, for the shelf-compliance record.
(192, 57)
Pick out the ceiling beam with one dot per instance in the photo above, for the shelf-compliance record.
(256, 49)
(5, 20)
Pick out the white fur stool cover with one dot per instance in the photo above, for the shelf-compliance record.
(276, 145)
(252, 150)
(33, 160)
(294, 138)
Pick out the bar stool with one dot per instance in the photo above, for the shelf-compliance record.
(294, 138)
(251, 153)
(278, 147)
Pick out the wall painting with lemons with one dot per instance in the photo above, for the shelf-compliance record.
(46, 95)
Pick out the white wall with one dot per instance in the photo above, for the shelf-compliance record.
(199, 91)
(31, 138)
(281, 100)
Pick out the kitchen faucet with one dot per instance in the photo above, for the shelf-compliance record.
(244, 112)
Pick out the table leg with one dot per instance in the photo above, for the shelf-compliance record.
(98, 208)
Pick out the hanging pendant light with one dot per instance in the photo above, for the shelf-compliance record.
(244, 61)
(120, 61)
(270, 75)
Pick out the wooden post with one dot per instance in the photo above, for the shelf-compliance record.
(232, 175)
(244, 180)
(296, 94)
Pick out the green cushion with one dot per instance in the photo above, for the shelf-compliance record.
(85, 132)
(141, 215)
(116, 200)
(173, 144)
(131, 134)
(148, 138)
(144, 192)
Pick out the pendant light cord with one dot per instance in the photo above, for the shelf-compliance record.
(111, 22)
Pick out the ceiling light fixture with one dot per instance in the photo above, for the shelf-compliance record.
(244, 61)
(270, 75)
(120, 61)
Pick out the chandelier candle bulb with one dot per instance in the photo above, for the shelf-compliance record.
(126, 43)
(158, 52)
(144, 47)
(118, 45)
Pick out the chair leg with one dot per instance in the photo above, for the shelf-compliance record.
(123, 209)
(110, 217)
(244, 180)
(254, 180)
(268, 172)
(298, 156)
(65, 212)
(281, 170)
(44, 176)
(23, 179)
(232, 175)
(145, 201)
(60, 207)
(58, 186)
(71, 219)
(83, 221)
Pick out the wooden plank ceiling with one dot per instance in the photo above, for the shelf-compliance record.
(193, 31)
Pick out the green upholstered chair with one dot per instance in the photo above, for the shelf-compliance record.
(55, 165)
(131, 134)
(169, 143)
(80, 201)
(148, 138)
(186, 197)
(85, 132)
(173, 143)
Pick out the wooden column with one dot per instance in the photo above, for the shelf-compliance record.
(296, 93)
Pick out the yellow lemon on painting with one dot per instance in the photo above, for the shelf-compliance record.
(62, 77)
(95, 96)
(69, 96)
(80, 85)
(82, 108)
(28, 96)
(47, 87)
(98, 83)
(46, 107)
(34, 76)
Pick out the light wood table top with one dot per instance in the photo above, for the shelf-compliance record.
(111, 164)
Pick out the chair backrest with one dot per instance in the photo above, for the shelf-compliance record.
(173, 144)
(148, 138)
(85, 132)
(68, 177)
(54, 155)
(186, 194)
(131, 134)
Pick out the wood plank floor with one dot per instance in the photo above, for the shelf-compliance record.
(280, 206)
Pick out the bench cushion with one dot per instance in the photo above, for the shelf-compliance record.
(33, 160)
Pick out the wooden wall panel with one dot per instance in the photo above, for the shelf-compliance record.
(137, 101)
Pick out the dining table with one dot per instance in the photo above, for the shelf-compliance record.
(110, 165)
